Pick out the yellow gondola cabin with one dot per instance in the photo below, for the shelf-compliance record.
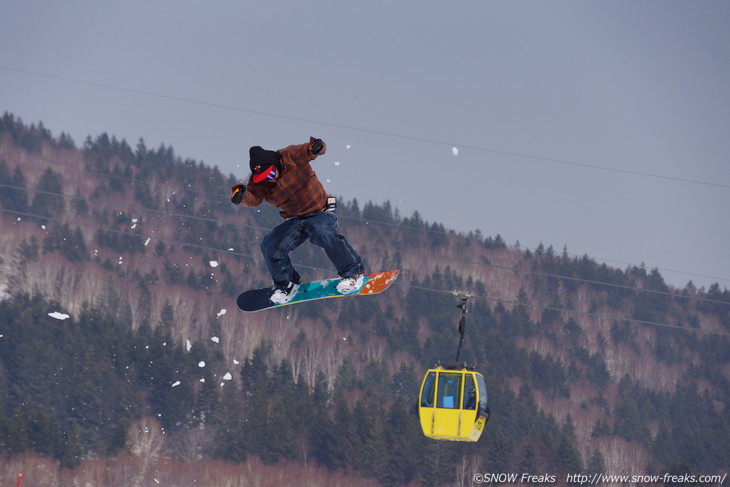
(453, 404)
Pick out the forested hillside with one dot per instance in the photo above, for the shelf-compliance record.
(124, 361)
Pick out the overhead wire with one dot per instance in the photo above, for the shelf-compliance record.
(515, 302)
(384, 133)
(398, 225)
(252, 226)
(496, 266)
(181, 243)
(562, 277)
(377, 132)
(343, 217)
(398, 250)
(576, 312)
(366, 130)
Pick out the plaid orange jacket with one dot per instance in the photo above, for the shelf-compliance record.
(297, 192)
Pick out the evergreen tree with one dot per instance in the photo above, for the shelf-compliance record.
(117, 438)
(228, 424)
(374, 458)
(280, 426)
(71, 448)
(48, 199)
(79, 204)
(13, 190)
(405, 444)
(327, 441)
(345, 427)
(568, 454)
(255, 382)
(68, 243)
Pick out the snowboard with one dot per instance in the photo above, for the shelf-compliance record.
(258, 299)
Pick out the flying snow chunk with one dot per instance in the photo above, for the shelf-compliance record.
(221, 312)
(146, 242)
(213, 263)
(201, 364)
(236, 362)
(59, 316)
(454, 151)
(228, 376)
(348, 146)
(188, 345)
(337, 163)
(215, 339)
(176, 383)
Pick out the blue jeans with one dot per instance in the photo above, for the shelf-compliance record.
(321, 230)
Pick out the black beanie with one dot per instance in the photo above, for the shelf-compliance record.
(263, 158)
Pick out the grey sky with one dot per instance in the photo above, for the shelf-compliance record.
(596, 93)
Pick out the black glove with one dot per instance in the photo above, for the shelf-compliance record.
(237, 193)
(315, 145)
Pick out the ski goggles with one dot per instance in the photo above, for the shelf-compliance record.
(268, 173)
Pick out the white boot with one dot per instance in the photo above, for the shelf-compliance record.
(282, 296)
(349, 285)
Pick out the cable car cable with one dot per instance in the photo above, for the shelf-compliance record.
(413, 286)
(455, 259)
(559, 276)
(598, 316)
(421, 229)
(364, 130)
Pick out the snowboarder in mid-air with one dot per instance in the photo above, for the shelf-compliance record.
(286, 180)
